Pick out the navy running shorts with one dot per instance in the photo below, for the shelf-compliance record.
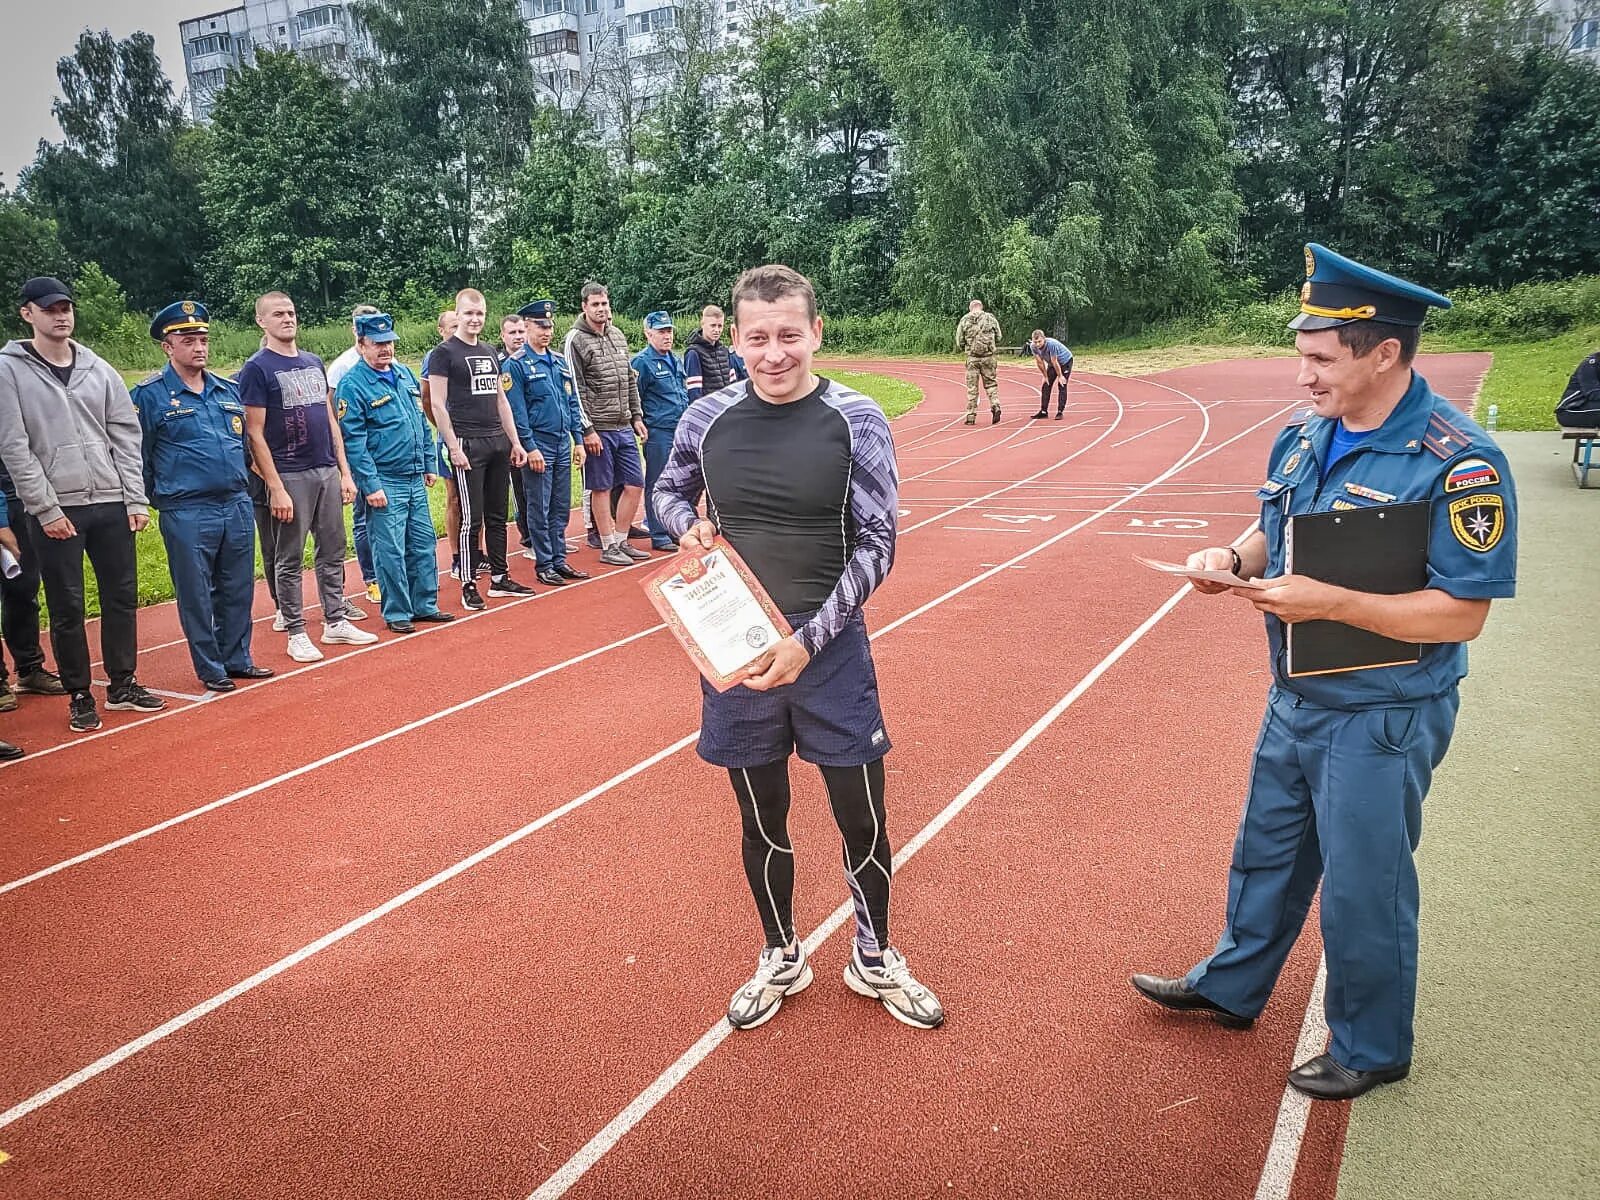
(617, 464)
(830, 716)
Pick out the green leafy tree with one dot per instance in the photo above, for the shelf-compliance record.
(450, 87)
(289, 187)
(122, 191)
(29, 245)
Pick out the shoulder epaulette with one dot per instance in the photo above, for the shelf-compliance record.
(1445, 438)
(1300, 418)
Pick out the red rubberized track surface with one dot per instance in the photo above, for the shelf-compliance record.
(187, 1010)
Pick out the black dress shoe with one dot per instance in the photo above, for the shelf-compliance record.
(9, 753)
(1040, 415)
(1323, 1078)
(251, 673)
(434, 618)
(551, 578)
(401, 626)
(567, 572)
(218, 685)
(1180, 997)
(638, 533)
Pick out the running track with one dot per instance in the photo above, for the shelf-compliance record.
(459, 914)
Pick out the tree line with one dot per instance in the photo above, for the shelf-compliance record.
(1098, 162)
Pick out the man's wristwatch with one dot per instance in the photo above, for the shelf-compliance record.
(1238, 563)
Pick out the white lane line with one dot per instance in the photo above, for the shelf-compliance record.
(1152, 429)
(129, 1049)
(159, 827)
(1283, 1153)
(990, 529)
(306, 769)
(619, 1126)
(202, 698)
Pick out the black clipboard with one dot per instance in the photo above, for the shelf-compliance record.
(1381, 549)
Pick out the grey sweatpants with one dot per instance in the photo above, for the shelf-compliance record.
(318, 512)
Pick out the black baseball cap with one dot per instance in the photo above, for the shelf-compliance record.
(45, 291)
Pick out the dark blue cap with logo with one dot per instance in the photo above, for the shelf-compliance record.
(376, 327)
(539, 310)
(1339, 291)
(182, 316)
(660, 319)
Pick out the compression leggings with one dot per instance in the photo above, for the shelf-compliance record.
(856, 796)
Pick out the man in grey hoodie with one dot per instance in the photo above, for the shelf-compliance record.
(70, 438)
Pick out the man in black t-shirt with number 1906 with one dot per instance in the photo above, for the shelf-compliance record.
(474, 419)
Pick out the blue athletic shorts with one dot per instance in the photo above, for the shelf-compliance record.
(830, 716)
(446, 468)
(617, 464)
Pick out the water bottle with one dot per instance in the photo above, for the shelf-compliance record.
(1494, 417)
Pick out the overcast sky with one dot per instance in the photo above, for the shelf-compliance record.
(48, 31)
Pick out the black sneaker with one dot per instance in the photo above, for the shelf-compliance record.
(8, 698)
(507, 586)
(133, 697)
(1041, 415)
(470, 598)
(39, 682)
(83, 717)
(9, 753)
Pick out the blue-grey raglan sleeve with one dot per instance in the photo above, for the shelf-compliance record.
(874, 514)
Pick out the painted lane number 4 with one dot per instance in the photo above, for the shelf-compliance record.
(1019, 518)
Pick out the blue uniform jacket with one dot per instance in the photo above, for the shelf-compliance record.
(540, 391)
(663, 394)
(385, 435)
(193, 445)
(1426, 450)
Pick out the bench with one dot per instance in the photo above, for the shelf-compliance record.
(1584, 443)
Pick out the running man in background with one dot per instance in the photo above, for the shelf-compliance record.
(1054, 361)
(799, 476)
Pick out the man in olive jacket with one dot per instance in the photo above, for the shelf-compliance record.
(613, 418)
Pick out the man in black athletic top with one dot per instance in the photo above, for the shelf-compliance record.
(799, 476)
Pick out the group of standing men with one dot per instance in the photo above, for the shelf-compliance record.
(278, 452)
(978, 337)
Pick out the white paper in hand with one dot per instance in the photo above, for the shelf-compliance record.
(1227, 578)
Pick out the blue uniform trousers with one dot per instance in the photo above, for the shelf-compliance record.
(657, 448)
(211, 553)
(549, 500)
(404, 549)
(358, 534)
(1335, 796)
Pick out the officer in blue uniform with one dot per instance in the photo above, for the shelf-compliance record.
(663, 394)
(1344, 760)
(544, 405)
(195, 474)
(390, 448)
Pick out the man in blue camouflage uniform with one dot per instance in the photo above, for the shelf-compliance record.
(1344, 759)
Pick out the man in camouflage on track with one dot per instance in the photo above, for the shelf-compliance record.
(978, 337)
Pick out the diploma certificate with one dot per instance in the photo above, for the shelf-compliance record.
(716, 607)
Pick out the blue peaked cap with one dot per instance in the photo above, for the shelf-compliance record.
(1339, 291)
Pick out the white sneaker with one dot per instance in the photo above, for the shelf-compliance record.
(301, 649)
(758, 1001)
(906, 999)
(342, 633)
(279, 625)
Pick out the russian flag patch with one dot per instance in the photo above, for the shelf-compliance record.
(1470, 473)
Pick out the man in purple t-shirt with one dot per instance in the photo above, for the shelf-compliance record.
(295, 444)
